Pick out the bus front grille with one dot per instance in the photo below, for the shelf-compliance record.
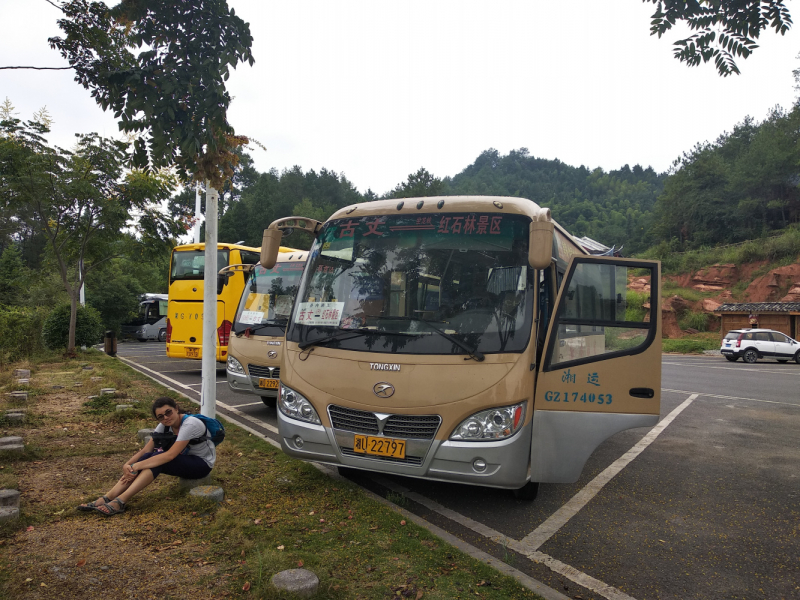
(414, 461)
(420, 427)
(259, 371)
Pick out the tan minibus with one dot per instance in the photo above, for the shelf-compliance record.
(465, 339)
(259, 327)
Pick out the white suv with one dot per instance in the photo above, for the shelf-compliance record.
(752, 344)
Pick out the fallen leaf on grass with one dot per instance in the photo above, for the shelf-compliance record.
(43, 585)
(30, 528)
(402, 522)
(61, 512)
(81, 562)
(299, 563)
(419, 594)
(280, 547)
(28, 580)
(374, 528)
(257, 521)
(246, 586)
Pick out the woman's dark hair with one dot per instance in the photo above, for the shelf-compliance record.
(164, 401)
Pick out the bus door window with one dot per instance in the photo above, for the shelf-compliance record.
(596, 319)
(546, 301)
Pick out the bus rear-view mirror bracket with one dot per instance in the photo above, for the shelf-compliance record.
(271, 241)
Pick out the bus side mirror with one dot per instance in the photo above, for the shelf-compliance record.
(222, 281)
(540, 243)
(270, 245)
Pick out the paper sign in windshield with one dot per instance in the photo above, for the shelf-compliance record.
(320, 313)
(283, 305)
(252, 317)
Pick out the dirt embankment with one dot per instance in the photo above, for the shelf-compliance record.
(717, 283)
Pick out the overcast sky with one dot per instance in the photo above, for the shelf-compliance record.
(375, 90)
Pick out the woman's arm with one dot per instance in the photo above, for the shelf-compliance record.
(148, 447)
(158, 459)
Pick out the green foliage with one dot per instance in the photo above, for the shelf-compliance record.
(275, 195)
(20, 332)
(161, 66)
(634, 305)
(613, 208)
(694, 320)
(743, 186)
(419, 184)
(690, 346)
(724, 29)
(88, 327)
(13, 276)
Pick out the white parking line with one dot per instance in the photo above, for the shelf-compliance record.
(534, 540)
(796, 405)
(775, 369)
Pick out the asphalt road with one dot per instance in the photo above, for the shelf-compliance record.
(706, 506)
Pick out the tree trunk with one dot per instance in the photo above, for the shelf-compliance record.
(73, 320)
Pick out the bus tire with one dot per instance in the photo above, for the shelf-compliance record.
(529, 491)
(797, 358)
(162, 335)
(269, 402)
(732, 358)
(347, 472)
(750, 356)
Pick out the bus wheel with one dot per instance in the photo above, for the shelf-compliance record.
(162, 335)
(347, 472)
(527, 491)
(269, 402)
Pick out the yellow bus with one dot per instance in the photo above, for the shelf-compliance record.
(185, 306)
(462, 339)
(259, 327)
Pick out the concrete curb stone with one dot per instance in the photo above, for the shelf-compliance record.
(301, 582)
(9, 513)
(208, 491)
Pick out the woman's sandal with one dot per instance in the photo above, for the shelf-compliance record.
(110, 510)
(90, 506)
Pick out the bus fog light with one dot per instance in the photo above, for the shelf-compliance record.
(298, 441)
(491, 424)
(479, 465)
(295, 406)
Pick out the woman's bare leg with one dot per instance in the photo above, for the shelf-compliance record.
(143, 479)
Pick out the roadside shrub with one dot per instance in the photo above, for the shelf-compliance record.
(88, 327)
(634, 305)
(20, 332)
(689, 346)
(693, 320)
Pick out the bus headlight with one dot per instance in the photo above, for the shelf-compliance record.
(234, 366)
(491, 424)
(295, 406)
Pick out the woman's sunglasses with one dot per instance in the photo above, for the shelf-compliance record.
(166, 414)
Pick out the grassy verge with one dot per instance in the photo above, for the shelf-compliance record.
(278, 514)
(693, 344)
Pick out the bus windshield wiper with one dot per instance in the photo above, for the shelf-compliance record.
(474, 353)
(275, 323)
(342, 334)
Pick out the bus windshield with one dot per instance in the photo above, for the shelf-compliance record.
(455, 283)
(267, 299)
(190, 264)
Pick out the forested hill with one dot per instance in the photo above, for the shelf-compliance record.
(612, 208)
(742, 186)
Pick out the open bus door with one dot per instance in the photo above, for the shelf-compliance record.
(600, 371)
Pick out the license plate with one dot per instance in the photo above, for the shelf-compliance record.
(269, 384)
(379, 446)
(192, 352)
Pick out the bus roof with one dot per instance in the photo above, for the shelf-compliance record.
(225, 246)
(564, 245)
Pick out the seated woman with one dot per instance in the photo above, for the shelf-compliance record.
(189, 461)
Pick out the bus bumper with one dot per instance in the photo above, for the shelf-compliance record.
(243, 384)
(500, 464)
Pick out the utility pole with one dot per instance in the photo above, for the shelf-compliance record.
(197, 214)
(208, 390)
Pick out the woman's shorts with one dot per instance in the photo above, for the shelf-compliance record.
(185, 466)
